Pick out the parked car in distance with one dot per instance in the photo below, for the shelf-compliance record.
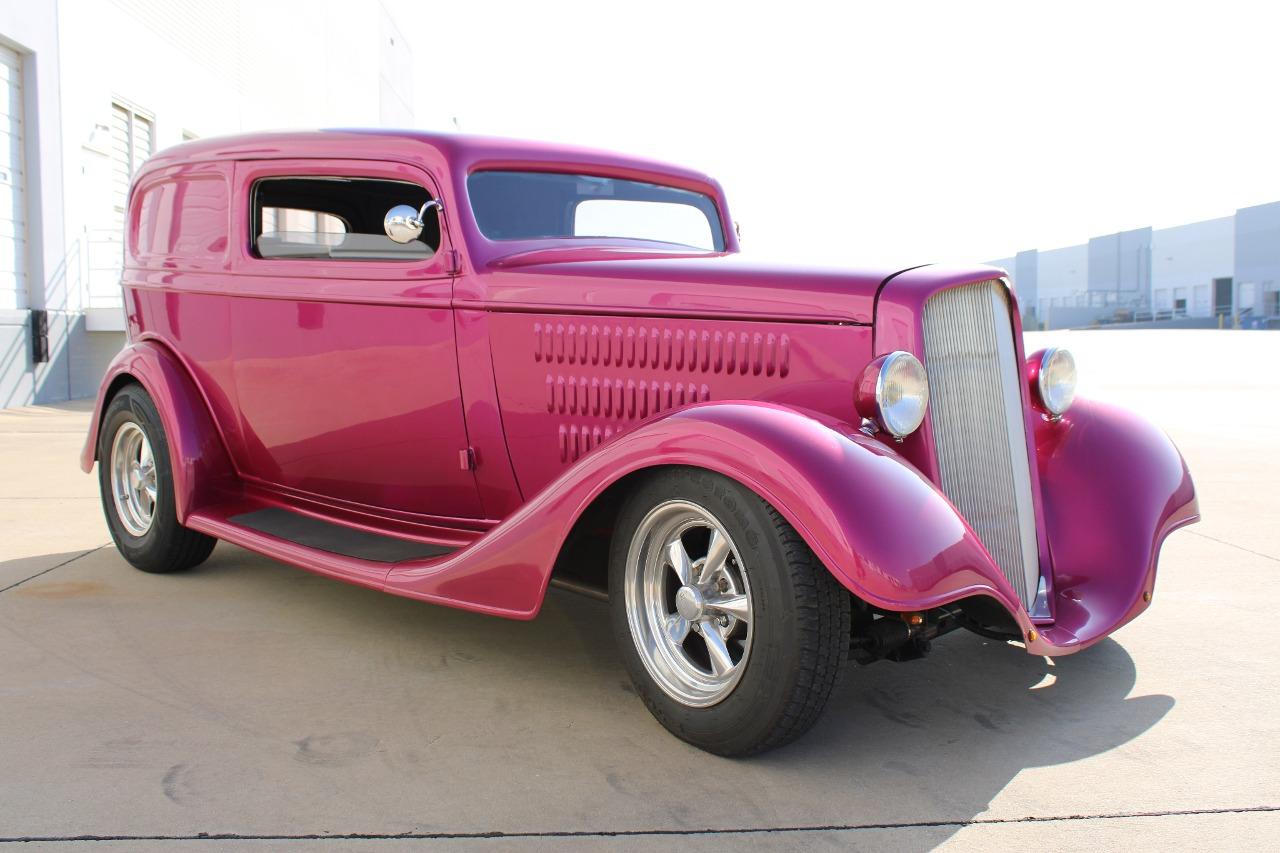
(461, 369)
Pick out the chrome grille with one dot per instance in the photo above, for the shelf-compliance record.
(975, 406)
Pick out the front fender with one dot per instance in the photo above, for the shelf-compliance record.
(1113, 486)
(882, 529)
(197, 455)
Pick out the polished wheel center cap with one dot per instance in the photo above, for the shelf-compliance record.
(689, 603)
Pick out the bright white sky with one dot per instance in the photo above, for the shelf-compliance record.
(861, 133)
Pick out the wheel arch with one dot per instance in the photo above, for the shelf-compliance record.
(197, 455)
(583, 556)
(876, 523)
(111, 386)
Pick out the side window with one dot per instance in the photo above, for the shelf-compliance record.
(337, 219)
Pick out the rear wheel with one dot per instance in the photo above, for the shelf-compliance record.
(732, 631)
(136, 483)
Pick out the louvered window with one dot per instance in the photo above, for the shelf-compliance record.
(132, 141)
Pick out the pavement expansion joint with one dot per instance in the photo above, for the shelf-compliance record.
(51, 568)
(627, 833)
(1233, 545)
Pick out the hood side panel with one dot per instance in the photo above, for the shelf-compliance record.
(571, 383)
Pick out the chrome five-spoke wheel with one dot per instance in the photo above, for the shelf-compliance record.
(731, 630)
(137, 485)
(133, 478)
(688, 602)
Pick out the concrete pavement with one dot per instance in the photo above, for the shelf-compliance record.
(287, 711)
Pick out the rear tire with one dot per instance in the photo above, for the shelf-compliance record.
(781, 618)
(135, 479)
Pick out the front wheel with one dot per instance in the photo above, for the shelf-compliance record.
(136, 482)
(732, 631)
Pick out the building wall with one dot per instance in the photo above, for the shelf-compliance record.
(1169, 274)
(1184, 262)
(1257, 261)
(189, 69)
(1062, 274)
(1026, 270)
(1121, 262)
(32, 30)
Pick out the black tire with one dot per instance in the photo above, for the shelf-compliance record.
(800, 620)
(166, 546)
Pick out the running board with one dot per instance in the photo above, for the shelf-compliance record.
(488, 574)
(328, 548)
(312, 532)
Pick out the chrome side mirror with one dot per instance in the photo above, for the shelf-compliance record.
(403, 224)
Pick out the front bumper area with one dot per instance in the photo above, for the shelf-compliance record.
(1113, 487)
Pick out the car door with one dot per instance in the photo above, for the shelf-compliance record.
(344, 359)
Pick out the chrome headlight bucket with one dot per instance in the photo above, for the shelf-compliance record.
(894, 393)
(1053, 379)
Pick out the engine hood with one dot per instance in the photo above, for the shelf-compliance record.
(663, 284)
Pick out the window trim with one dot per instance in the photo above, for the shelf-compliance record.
(255, 223)
(722, 231)
(246, 262)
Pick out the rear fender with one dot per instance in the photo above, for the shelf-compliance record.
(197, 455)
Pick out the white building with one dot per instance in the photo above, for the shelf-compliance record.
(1223, 271)
(89, 90)
(1185, 261)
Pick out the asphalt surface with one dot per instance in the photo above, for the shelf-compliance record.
(250, 705)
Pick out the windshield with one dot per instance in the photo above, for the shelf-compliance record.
(539, 205)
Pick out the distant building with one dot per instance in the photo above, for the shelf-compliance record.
(1223, 270)
(89, 90)
(1257, 260)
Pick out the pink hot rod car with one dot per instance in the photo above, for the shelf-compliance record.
(461, 369)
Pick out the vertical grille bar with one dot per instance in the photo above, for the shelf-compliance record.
(975, 405)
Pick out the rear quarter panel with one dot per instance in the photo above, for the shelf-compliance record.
(175, 276)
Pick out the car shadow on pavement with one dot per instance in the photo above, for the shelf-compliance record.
(929, 742)
(948, 733)
(933, 740)
(942, 736)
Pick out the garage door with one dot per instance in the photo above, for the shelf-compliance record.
(13, 229)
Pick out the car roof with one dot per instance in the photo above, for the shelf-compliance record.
(460, 151)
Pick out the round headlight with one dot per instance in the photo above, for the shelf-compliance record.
(894, 392)
(1056, 380)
